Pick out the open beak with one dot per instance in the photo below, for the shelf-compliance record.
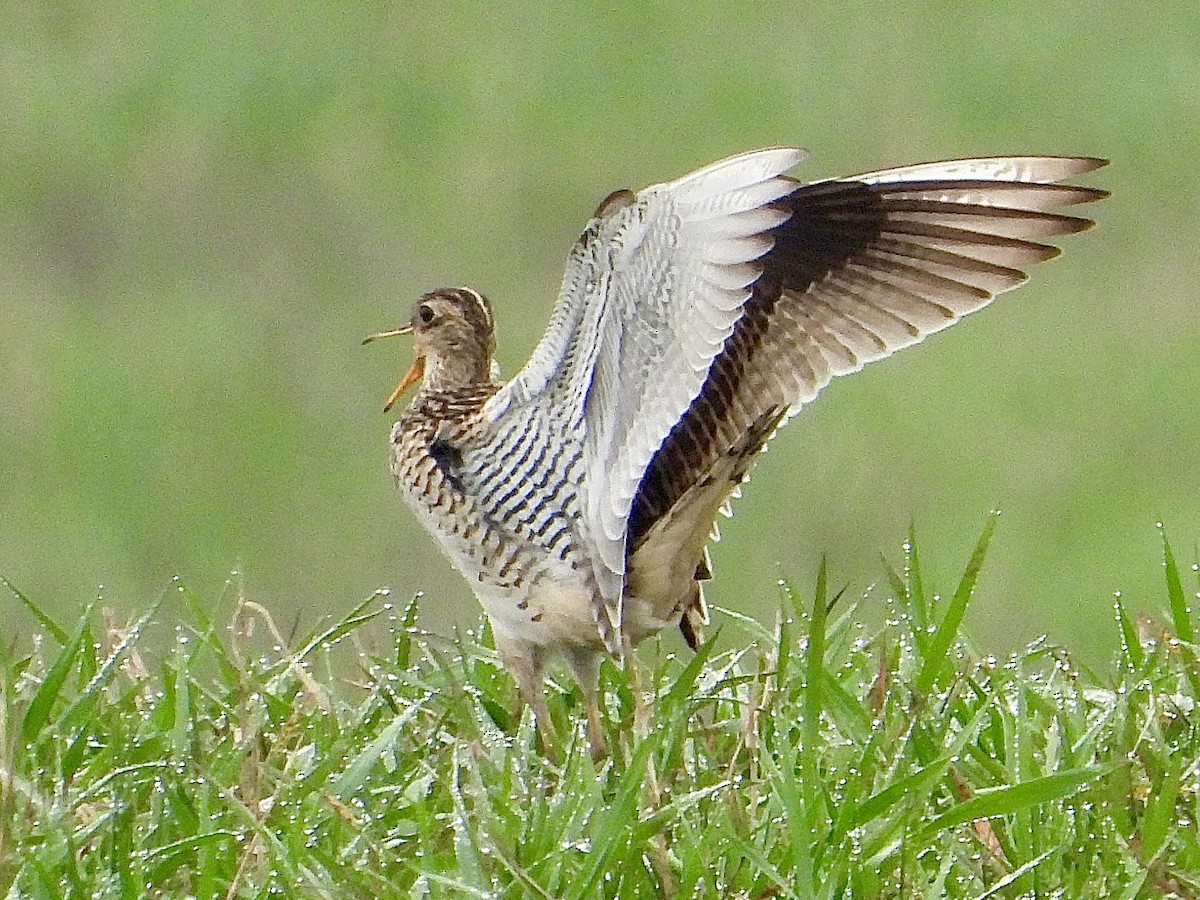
(412, 376)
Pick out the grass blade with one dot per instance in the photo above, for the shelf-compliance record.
(51, 687)
(915, 585)
(339, 629)
(360, 767)
(612, 830)
(938, 648)
(989, 803)
(1159, 820)
(1181, 613)
(815, 667)
(1131, 644)
(44, 620)
(104, 674)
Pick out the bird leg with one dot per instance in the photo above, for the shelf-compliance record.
(585, 666)
(525, 662)
(643, 705)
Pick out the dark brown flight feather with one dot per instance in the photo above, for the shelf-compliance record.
(857, 271)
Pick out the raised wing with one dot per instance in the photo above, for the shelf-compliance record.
(652, 292)
(864, 266)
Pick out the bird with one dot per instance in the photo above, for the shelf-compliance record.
(695, 317)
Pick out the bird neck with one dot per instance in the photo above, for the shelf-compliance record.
(452, 373)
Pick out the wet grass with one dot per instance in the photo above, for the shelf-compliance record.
(816, 759)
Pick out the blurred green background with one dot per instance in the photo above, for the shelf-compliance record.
(205, 206)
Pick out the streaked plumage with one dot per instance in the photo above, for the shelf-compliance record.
(694, 318)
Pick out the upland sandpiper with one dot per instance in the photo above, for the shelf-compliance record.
(695, 317)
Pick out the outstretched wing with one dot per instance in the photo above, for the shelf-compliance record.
(863, 266)
(652, 292)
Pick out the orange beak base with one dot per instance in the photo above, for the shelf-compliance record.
(411, 377)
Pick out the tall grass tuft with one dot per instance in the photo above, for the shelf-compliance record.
(808, 759)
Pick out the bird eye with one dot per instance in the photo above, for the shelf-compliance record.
(425, 313)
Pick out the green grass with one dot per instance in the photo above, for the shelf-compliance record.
(814, 759)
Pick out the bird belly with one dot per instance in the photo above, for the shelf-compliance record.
(556, 613)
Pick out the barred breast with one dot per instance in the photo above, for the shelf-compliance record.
(505, 519)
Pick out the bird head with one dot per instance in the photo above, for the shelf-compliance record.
(453, 341)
